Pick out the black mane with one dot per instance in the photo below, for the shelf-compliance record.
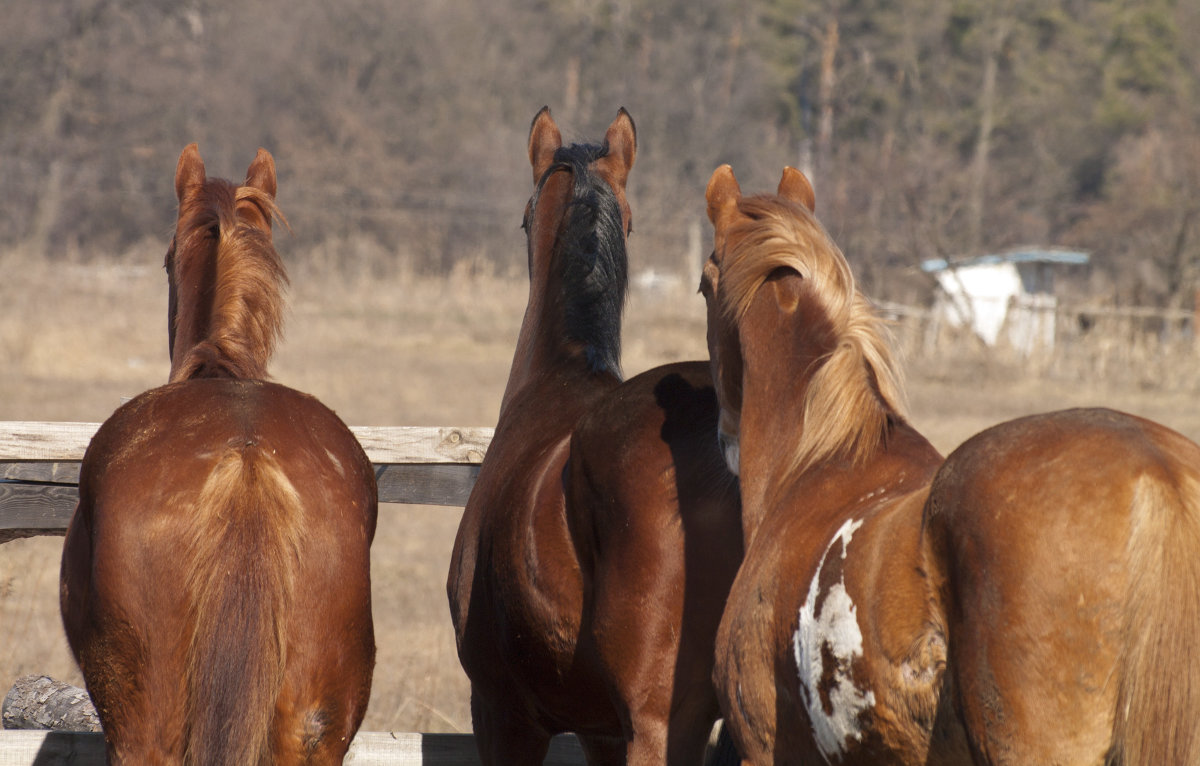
(595, 265)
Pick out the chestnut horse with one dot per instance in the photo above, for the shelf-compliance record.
(1069, 545)
(596, 550)
(216, 576)
(1036, 604)
(831, 648)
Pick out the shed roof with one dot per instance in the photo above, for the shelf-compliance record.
(1016, 255)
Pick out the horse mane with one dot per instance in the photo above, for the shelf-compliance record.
(243, 274)
(856, 391)
(596, 267)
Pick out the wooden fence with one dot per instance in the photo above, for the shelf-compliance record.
(39, 469)
(39, 474)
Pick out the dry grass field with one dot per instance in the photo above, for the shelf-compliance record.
(392, 351)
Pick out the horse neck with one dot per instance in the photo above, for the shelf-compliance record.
(539, 342)
(772, 415)
(571, 326)
(228, 304)
(783, 438)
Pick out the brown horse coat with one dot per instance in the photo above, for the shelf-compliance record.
(1071, 543)
(655, 517)
(216, 575)
(601, 536)
(1033, 601)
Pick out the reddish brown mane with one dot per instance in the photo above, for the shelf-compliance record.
(859, 384)
(240, 274)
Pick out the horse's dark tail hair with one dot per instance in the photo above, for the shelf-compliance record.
(596, 269)
(244, 553)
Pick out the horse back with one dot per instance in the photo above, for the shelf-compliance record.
(1072, 549)
(646, 456)
(159, 449)
(194, 478)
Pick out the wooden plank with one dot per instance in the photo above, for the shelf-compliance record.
(27, 510)
(53, 441)
(27, 491)
(39, 466)
(51, 748)
(57, 472)
(413, 483)
(403, 749)
(30, 440)
(40, 702)
(414, 444)
(426, 484)
(74, 748)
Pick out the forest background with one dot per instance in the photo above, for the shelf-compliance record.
(930, 128)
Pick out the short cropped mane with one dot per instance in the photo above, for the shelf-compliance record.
(246, 281)
(595, 269)
(857, 390)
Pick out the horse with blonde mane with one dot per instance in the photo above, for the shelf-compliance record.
(216, 575)
(1032, 600)
(831, 648)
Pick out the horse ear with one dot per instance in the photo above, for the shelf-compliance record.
(794, 186)
(621, 140)
(189, 171)
(261, 173)
(722, 192)
(544, 141)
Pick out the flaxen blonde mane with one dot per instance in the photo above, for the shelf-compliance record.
(246, 318)
(858, 385)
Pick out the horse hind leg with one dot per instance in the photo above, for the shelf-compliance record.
(504, 737)
(604, 751)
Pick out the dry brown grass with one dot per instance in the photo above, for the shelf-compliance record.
(403, 351)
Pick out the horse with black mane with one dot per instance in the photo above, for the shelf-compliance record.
(602, 534)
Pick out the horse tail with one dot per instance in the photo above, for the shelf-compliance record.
(244, 557)
(723, 752)
(1158, 695)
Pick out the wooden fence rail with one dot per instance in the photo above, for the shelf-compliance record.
(39, 469)
(39, 473)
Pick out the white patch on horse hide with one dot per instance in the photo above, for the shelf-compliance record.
(834, 627)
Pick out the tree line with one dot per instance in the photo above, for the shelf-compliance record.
(930, 128)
